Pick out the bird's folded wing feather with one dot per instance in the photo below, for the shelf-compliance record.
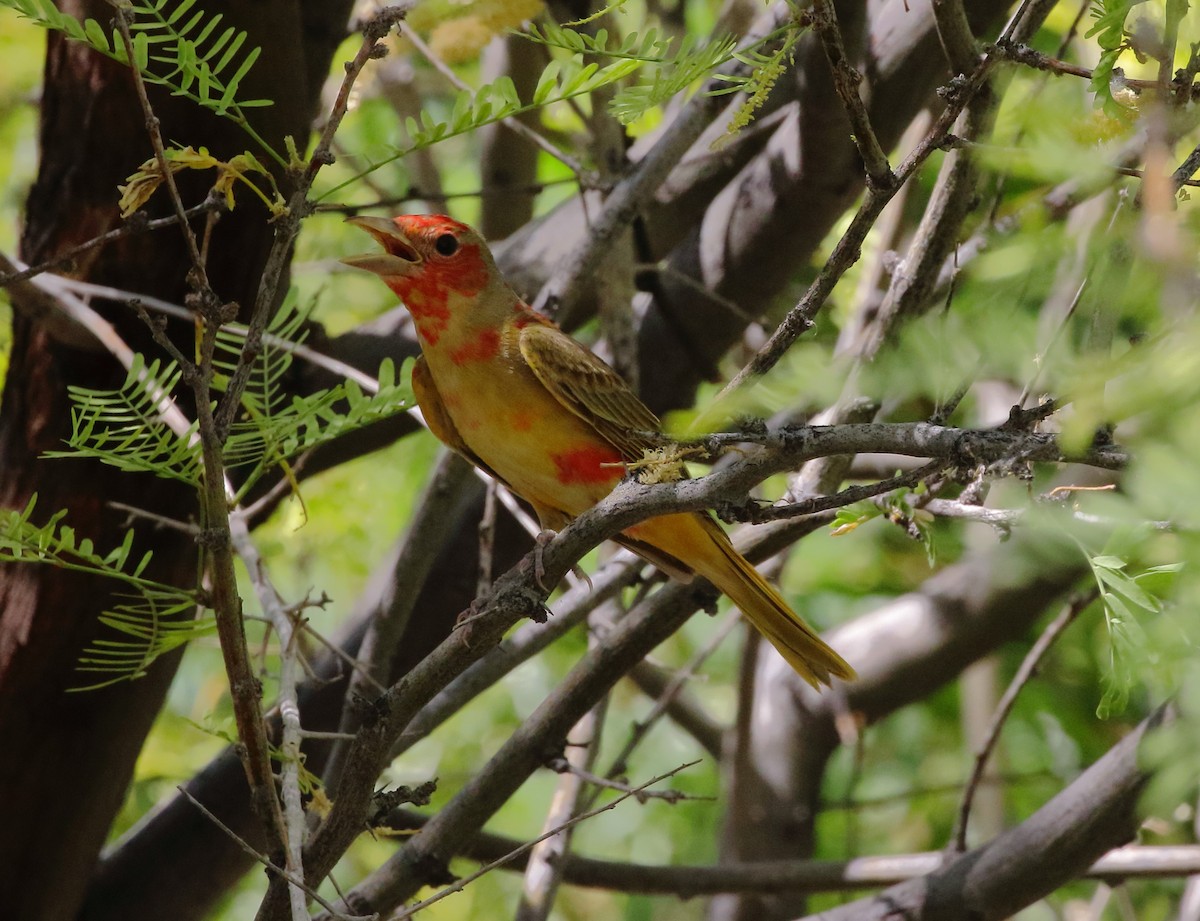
(590, 389)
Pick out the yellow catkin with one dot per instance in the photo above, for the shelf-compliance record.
(459, 40)
(462, 39)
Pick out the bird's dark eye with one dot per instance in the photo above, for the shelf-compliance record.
(446, 244)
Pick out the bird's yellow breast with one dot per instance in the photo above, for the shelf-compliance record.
(512, 423)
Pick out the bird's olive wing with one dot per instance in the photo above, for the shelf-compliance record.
(590, 389)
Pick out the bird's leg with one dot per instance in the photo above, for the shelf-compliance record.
(544, 537)
(462, 623)
(469, 614)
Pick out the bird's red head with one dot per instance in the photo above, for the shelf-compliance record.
(426, 258)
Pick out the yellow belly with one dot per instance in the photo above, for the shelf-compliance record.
(510, 421)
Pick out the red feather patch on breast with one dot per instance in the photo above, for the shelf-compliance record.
(483, 347)
(589, 465)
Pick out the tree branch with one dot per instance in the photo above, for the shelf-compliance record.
(773, 877)
(846, 80)
(1093, 815)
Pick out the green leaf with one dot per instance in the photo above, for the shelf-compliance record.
(179, 10)
(124, 427)
(141, 51)
(96, 37)
(139, 619)
(183, 62)
(547, 83)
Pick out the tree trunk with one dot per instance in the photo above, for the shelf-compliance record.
(70, 755)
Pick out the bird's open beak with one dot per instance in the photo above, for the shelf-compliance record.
(400, 257)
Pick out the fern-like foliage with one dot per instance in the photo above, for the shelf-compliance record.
(275, 428)
(150, 625)
(692, 63)
(1126, 603)
(264, 387)
(474, 109)
(154, 617)
(204, 62)
(647, 48)
(125, 429)
(670, 72)
(264, 440)
(176, 46)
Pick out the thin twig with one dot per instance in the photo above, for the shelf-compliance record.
(415, 193)
(641, 728)
(848, 249)
(1020, 53)
(245, 689)
(284, 623)
(683, 709)
(1183, 174)
(608, 783)
(848, 496)
(161, 521)
(846, 80)
(1064, 321)
(199, 280)
(487, 539)
(428, 530)
(285, 484)
(459, 885)
(561, 293)
(59, 283)
(1135, 173)
(272, 868)
(571, 609)
(1026, 671)
(771, 877)
(954, 32)
(915, 278)
(336, 650)
(137, 224)
(666, 270)
(543, 873)
(298, 207)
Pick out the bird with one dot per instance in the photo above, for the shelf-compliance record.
(507, 389)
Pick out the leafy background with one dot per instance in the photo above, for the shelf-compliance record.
(898, 791)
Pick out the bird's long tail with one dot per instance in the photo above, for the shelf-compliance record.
(684, 543)
(765, 608)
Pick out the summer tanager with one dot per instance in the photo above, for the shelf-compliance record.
(507, 389)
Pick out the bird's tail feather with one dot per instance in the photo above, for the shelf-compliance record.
(765, 608)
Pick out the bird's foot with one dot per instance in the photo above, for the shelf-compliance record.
(539, 565)
(581, 574)
(462, 623)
